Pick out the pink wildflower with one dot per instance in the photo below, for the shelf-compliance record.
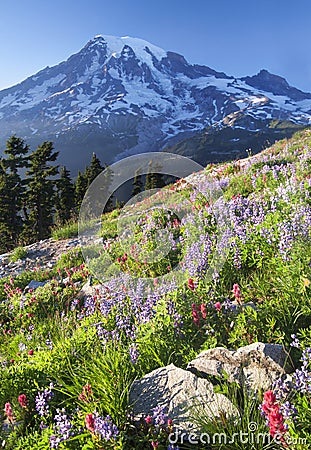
(90, 422)
(86, 393)
(237, 293)
(218, 306)
(195, 314)
(9, 411)
(191, 284)
(203, 310)
(271, 409)
(148, 420)
(22, 400)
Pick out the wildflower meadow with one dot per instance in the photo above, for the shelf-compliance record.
(68, 359)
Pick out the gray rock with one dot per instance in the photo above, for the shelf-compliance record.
(66, 281)
(33, 284)
(215, 362)
(73, 243)
(89, 289)
(182, 394)
(43, 254)
(258, 364)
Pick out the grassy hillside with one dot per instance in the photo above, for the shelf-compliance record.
(68, 359)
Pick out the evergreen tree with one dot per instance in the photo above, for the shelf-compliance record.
(65, 200)
(40, 196)
(85, 179)
(16, 149)
(154, 179)
(107, 188)
(13, 189)
(149, 184)
(5, 197)
(93, 170)
(80, 188)
(137, 183)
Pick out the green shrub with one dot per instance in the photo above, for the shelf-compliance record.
(18, 253)
(67, 231)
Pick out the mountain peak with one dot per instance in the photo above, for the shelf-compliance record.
(116, 44)
(267, 81)
(267, 76)
(123, 95)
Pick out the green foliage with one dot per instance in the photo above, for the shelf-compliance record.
(73, 258)
(18, 253)
(40, 197)
(244, 428)
(65, 198)
(12, 192)
(66, 231)
(137, 183)
(110, 373)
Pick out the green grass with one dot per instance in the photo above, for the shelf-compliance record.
(18, 253)
(67, 231)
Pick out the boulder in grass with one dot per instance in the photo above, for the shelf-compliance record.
(89, 289)
(182, 395)
(257, 364)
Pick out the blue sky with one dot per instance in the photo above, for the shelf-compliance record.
(238, 37)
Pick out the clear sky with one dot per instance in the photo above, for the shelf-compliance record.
(239, 37)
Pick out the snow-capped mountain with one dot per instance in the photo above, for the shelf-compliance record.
(120, 96)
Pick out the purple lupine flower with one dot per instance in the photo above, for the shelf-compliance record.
(282, 388)
(62, 428)
(22, 302)
(295, 342)
(105, 427)
(288, 410)
(54, 441)
(22, 346)
(134, 353)
(49, 344)
(42, 400)
(302, 380)
(74, 304)
(89, 306)
(228, 305)
(159, 416)
(42, 425)
(237, 258)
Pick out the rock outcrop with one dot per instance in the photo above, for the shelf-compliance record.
(258, 365)
(182, 395)
(42, 254)
(187, 394)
